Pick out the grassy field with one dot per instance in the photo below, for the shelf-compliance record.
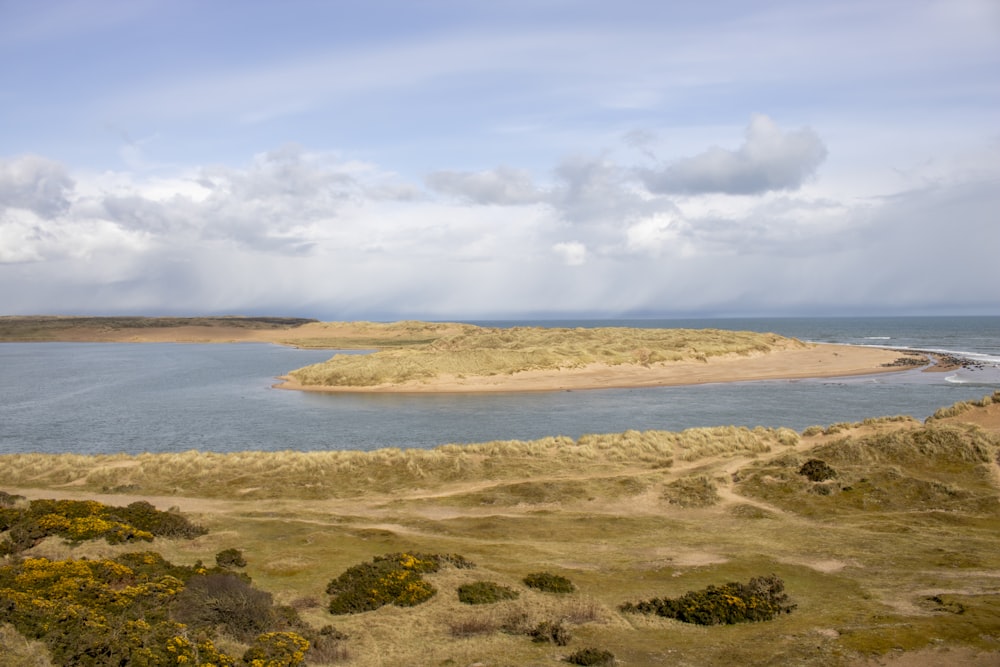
(477, 351)
(896, 555)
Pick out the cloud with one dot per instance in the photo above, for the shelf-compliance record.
(769, 159)
(503, 185)
(573, 253)
(36, 184)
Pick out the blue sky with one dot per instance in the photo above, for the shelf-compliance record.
(448, 160)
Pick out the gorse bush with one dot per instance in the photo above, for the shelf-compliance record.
(485, 592)
(127, 611)
(276, 649)
(80, 520)
(761, 599)
(549, 583)
(395, 579)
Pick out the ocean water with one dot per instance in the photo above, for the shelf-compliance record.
(106, 397)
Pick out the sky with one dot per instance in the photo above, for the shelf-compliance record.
(464, 159)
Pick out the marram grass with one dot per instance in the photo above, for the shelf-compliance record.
(487, 352)
(339, 474)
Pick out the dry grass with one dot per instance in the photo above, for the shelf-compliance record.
(486, 352)
(343, 474)
(883, 566)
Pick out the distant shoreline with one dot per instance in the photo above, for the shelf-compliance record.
(813, 360)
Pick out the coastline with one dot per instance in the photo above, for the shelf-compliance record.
(813, 361)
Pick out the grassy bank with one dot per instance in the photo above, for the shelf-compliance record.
(890, 546)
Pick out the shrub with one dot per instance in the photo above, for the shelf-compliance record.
(550, 631)
(472, 627)
(9, 499)
(591, 656)
(761, 599)
(327, 646)
(389, 579)
(79, 520)
(485, 592)
(106, 612)
(230, 558)
(817, 470)
(549, 583)
(277, 649)
(228, 601)
(144, 516)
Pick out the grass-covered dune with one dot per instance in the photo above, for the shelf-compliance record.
(478, 351)
(875, 543)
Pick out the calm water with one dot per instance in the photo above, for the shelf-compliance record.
(102, 398)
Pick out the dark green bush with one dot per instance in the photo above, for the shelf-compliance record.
(761, 599)
(485, 592)
(230, 558)
(817, 470)
(549, 583)
(389, 579)
(591, 656)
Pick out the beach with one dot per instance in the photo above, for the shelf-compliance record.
(811, 361)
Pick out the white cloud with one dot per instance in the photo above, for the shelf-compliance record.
(572, 253)
(36, 184)
(305, 232)
(769, 159)
(503, 185)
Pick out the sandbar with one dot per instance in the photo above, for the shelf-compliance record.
(811, 361)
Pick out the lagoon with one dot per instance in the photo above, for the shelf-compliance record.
(91, 398)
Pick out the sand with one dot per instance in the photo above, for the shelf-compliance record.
(814, 361)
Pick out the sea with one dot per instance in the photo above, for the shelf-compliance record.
(105, 398)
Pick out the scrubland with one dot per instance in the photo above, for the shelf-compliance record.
(885, 534)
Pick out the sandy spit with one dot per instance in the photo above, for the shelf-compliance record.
(814, 361)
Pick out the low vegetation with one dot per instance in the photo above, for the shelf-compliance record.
(486, 351)
(138, 609)
(760, 599)
(76, 521)
(591, 656)
(963, 407)
(897, 551)
(395, 579)
(549, 583)
(485, 592)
